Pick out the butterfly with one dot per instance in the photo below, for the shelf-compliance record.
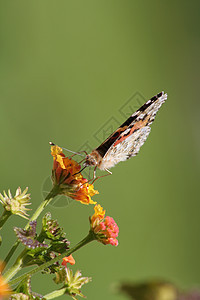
(126, 141)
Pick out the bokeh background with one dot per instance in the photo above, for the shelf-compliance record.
(69, 72)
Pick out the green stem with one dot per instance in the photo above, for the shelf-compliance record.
(90, 237)
(6, 214)
(55, 294)
(42, 206)
(16, 267)
(36, 214)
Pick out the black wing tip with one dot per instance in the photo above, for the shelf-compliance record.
(51, 143)
(162, 95)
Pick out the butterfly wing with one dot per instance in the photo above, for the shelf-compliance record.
(126, 141)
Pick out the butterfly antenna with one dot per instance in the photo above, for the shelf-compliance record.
(52, 144)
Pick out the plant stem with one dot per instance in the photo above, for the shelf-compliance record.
(42, 206)
(36, 214)
(16, 267)
(6, 214)
(55, 294)
(90, 237)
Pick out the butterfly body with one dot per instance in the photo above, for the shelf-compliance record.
(126, 141)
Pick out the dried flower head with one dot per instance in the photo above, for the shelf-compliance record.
(17, 204)
(73, 283)
(28, 237)
(66, 176)
(54, 233)
(104, 228)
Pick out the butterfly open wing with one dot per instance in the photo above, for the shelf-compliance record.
(126, 141)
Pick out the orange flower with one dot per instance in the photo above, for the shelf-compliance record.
(99, 214)
(105, 229)
(68, 259)
(4, 287)
(70, 182)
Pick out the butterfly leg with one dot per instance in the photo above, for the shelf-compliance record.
(89, 180)
(110, 173)
(94, 173)
(95, 178)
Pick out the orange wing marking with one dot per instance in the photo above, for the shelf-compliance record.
(140, 124)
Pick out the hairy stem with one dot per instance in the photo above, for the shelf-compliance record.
(36, 214)
(6, 214)
(90, 237)
(16, 267)
(55, 294)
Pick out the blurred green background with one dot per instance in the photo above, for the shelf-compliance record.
(66, 69)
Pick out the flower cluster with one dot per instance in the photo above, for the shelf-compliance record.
(70, 182)
(66, 175)
(105, 229)
(50, 245)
